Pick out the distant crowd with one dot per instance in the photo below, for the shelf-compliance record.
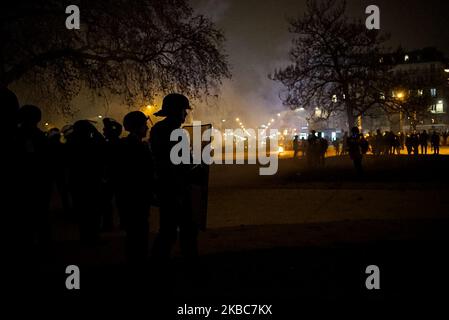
(386, 143)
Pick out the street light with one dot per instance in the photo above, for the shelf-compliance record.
(446, 70)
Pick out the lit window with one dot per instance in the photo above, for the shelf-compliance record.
(334, 98)
(420, 92)
(433, 92)
(438, 108)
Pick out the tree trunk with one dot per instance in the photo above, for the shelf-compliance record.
(350, 116)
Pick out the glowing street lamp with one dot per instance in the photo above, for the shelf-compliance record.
(446, 70)
(400, 95)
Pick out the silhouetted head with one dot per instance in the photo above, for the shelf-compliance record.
(9, 105)
(135, 122)
(67, 130)
(355, 131)
(320, 134)
(54, 135)
(29, 116)
(53, 131)
(111, 129)
(84, 130)
(174, 106)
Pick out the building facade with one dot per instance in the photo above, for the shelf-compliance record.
(421, 75)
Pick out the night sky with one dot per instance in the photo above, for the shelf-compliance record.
(258, 41)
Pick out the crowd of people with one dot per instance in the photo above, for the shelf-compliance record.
(387, 143)
(356, 145)
(315, 148)
(96, 172)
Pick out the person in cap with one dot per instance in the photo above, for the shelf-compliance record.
(134, 182)
(173, 182)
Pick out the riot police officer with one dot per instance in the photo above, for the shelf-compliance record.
(134, 186)
(173, 182)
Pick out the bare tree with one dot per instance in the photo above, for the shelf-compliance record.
(131, 48)
(411, 102)
(334, 63)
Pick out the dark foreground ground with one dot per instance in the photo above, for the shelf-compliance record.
(395, 217)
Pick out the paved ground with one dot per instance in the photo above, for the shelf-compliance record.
(299, 235)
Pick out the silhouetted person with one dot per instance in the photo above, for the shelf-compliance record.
(336, 145)
(423, 141)
(296, 146)
(313, 149)
(402, 140)
(344, 148)
(9, 107)
(111, 132)
(444, 136)
(303, 146)
(435, 141)
(134, 186)
(173, 183)
(86, 167)
(34, 175)
(390, 143)
(378, 146)
(415, 143)
(322, 146)
(57, 166)
(16, 257)
(364, 145)
(409, 144)
(355, 149)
